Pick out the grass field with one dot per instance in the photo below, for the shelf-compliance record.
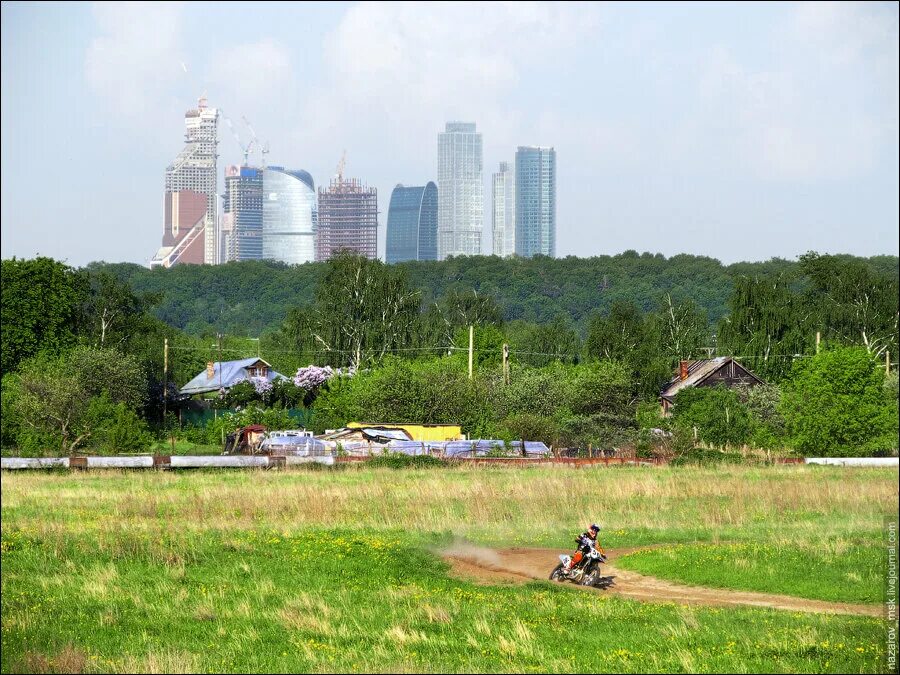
(316, 570)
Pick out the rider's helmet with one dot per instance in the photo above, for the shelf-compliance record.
(593, 530)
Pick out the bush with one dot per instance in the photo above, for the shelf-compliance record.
(835, 404)
(531, 428)
(395, 460)
(119, 429)
(716, 412)
(706, 456)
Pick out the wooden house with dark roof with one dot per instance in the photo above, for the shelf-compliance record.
(723, 370)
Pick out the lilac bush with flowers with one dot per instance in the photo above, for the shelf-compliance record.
(312, 377)
(263, 387)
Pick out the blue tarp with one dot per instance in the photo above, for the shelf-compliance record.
(473, 448)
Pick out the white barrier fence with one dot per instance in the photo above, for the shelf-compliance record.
(147, 461)
(854, 461)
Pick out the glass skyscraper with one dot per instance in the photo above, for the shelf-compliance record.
(460, 190)
(412, 223)
(503, 222)
(535, 201)
(289, 215)
(242, 220)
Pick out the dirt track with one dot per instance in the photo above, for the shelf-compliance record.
(518, 565)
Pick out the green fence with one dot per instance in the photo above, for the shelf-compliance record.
(201, 417)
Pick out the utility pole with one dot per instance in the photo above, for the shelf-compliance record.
(887, 362)
(505, 363)
(471, 348)
(818, 340)
(165, 377)
(219, 349)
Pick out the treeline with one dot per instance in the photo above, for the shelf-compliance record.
(252, 298)
(83, 352)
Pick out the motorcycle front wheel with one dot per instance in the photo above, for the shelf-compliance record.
(556, 574)
(591, 578)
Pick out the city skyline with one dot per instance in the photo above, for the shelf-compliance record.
(690, 126)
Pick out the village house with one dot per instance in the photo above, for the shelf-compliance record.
(225, 374)
(723, 370)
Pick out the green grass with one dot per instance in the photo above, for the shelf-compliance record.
(335, 570)
(839, 569)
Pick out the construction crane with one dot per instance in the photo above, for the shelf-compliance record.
(264, 149)
(244, 149)
(340, 166)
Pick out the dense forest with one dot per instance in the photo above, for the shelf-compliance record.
(253, 298)
(590, 344)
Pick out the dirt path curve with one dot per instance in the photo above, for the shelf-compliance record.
(518, 565)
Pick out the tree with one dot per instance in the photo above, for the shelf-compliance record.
(618, 335)
(363, 309)
(855, 305)
(70, 397)
(717, 413)
(541, 344)
(682, 329)
(111, 312)
(768, 324)
(835, 404)
(40, 304)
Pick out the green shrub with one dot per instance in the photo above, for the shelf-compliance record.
(119, 429)
(716, 412)
(835, 404)
(395, 460)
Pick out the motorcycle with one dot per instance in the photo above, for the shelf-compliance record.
(586, 572)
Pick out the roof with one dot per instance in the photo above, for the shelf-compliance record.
(698, 371)
(231, 373)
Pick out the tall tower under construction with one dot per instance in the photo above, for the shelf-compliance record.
(190, 229)
(348, 218)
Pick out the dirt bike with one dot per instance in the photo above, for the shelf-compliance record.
(586, 572)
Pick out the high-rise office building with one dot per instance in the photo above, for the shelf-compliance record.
(412, 223)
(348, 219)
(289, 215)
(190, 180)
(535, 201)
(503, 220)
(460, 190)
(242, 218)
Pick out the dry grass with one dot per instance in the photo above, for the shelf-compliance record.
(476, 502)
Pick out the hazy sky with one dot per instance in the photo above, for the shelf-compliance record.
(740, 131)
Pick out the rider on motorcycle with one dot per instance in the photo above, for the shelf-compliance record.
(586, 541)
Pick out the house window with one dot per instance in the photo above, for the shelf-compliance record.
(260, 371)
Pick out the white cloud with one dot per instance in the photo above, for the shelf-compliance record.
(135, 60)
(817, 112)
(252, 75)
(402, 70)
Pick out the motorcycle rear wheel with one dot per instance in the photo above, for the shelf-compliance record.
(556, 574)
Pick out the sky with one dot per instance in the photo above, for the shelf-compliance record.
(737, 131)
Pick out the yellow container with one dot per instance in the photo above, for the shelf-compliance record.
(419, 432)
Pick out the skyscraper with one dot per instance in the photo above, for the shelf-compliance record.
(503, 221)
(190, 179)
(348, 219)
(412, 223)
(460, 190)
(535, 201)
(242, 218)
(289, 216)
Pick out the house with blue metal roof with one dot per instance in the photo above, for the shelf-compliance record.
(226, 374)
